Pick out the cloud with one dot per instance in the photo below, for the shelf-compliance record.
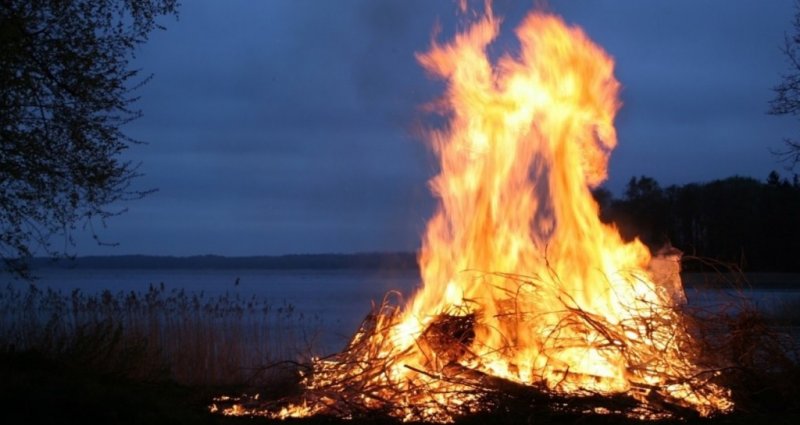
(286, 126)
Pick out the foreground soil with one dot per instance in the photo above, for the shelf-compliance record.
(39, 390)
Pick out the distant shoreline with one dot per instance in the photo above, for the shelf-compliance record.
(388, 261)
(405, 261)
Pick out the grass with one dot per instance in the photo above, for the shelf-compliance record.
(158, 335)
(161, 355)
(157, 356)
(40, 389)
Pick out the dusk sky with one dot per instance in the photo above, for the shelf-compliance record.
(278, 127)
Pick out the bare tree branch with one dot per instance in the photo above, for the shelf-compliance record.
(65, 91)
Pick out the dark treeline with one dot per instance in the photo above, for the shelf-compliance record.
(739, 220)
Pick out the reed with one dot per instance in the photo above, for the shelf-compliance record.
(159, 334)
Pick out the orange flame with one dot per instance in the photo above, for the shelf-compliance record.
(522, 281)
(528, 138)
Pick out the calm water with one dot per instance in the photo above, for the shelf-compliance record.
(340, 298)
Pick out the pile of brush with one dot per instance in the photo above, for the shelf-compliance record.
(358, 383)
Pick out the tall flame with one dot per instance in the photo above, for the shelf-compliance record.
(516, 240)
(527, 139)
(521, 280)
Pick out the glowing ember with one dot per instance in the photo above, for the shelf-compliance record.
(524, 287)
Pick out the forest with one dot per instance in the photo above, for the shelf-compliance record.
(747, 223)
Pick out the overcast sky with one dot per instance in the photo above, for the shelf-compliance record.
(289, 126)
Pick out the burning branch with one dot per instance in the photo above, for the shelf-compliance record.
(527, 296)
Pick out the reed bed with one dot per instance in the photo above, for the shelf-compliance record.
(191, 338)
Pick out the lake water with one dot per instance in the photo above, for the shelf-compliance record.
(339, 298)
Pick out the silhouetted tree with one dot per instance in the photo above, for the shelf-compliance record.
(787, 93)
(738, 219)
(65, 90)
(687, 227)
(643, 212)
(604, 198)
(780, 203)
(731, 213)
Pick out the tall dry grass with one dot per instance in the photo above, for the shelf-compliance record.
(756, 344)
(190, 338)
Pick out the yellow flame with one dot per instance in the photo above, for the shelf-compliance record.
(521, 280)
(528, 137)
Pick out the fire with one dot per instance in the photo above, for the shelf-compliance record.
(523, 285)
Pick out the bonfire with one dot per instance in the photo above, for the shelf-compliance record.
(525, 292)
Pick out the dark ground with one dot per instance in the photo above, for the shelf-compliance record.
(37, 390)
